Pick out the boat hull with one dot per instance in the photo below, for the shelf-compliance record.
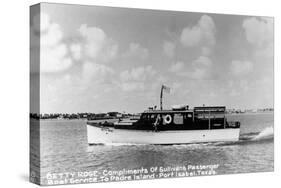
(107, 135)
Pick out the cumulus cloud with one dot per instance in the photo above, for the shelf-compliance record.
(202, 61)
(258, 31)
(95, 72)
(97, 45)
(201, 68)
(241, 67)
(237, 87)
(136, 50)
(135, 78)
(94, 49)
(137, 74)
(132, 86)
(244, 85)
(76, 51)
(176, 87)
(169, 48)
(177, 67)
(51, 35)
(234, 93)
(54, 53)
(206, 51)
(54, 59)
(201, 33)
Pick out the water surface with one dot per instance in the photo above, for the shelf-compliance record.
(64, 148)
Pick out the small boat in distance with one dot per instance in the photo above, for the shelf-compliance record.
(179, 125)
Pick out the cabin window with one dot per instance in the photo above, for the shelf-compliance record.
(210, 115)
(145, 116)
(149, 117)
(153, 116)
(178, 119)
(219, 115)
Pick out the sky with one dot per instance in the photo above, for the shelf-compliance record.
(100, 59)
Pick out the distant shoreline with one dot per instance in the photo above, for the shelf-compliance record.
(112, 119)
(252, 113)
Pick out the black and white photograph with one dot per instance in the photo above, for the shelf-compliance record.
(121, 94)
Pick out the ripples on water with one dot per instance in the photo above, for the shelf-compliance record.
(64, 148)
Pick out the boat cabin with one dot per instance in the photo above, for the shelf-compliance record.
(209, 117)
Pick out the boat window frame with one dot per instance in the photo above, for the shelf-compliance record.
(182, 116)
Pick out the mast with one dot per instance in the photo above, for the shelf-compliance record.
(161, 96)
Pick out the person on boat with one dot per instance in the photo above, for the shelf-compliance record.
(157, 122)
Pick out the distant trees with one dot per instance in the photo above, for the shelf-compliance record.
(84, 115)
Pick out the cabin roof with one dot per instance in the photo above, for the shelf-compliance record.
(200, 109)
(166, 111)
(209, 109)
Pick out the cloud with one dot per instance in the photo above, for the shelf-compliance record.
(206, 51)
(95, 72)
(177, 67)
(202, 61)
(169, 48)
(54, 53)
(258, 31)
(234, 93)
(137, 74)
(201, 33)
(244, 85)
(54, 59)
(51, 35)
(132, 86)
(76, 51)
(176, 87)
(134, 79)
(136, 50)
(201, 68)
(96, 44)
(238, 87)
(241, 67)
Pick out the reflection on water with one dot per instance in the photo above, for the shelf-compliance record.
(64, 148)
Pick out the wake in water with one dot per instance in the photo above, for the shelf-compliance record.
(265, 134)
(268, 132)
